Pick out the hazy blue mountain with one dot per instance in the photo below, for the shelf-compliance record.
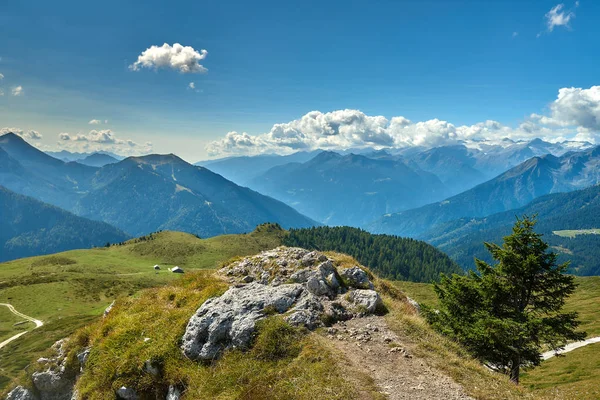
(242, 170)
(40, 175)
(141, 194)
(68, 156)
(97, 160)
(578, 210)
(149, 193)
(513, 189)
(454, 165)
(29, 227)
(349, 190)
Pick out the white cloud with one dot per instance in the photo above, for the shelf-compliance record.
(1, 92)
(574, 115)
(558, 16)
(192, 85)
(32, 135)
(185, 59)
(27, 135)
(105, 139)
(16, 131)
(97, 122)
(515, 34)
(1, 77)
(576, 107)
(17, 91)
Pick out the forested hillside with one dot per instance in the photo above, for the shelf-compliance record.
(29, 227)
(572, 212)
(389, 256)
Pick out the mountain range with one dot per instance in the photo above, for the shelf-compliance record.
(141, 194)
(29, 227)
(349, 189)
(569, 221)
(242, 170)
(513, 189)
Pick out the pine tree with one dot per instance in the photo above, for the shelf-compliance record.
(510, 311)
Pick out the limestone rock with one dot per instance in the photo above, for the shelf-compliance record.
(108, 309)
(53, 385)
(367, 301)
(228, 321)
(21, 393)
(414, 303)
(83, 357)
(357, 278)
(174, 393)
(303, 285)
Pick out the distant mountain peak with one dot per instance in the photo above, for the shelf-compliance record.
(157, 159)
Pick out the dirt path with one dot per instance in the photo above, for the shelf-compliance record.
(372, 348)
(570, 347)
(37, 323)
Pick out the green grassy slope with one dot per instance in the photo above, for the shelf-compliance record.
(68, 290)
(11, 325)
(572, 376)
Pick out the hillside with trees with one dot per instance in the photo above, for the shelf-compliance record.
(389, 256)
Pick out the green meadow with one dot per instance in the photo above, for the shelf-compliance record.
(70, 290)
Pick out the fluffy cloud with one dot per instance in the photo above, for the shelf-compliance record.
(105, 139)
(576, 107)
(185, 59)
(558, 16)
(17, 91)
(1, 77)
(32, 135)
(27, 135)
(575, 114)
(16, 131)
(1, 92)
(192, 85)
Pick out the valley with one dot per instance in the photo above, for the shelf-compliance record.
(389, 200)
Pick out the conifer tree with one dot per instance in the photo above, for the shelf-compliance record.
(509, 311)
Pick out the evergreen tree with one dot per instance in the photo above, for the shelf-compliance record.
(511, 310)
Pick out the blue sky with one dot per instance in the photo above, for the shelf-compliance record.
(272, 62)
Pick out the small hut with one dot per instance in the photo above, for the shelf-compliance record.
(177, 270)
(157, 267)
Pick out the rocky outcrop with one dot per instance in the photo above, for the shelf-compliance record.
(21, 393)
(56, 380)
(303, 286)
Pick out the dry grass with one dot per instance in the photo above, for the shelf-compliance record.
(283, 363)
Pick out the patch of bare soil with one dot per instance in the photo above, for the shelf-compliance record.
(372, 348)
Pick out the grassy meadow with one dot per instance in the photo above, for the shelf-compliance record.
(576, 374)
(71, 289)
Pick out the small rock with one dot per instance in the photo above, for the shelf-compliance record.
(174, 393)
(108, 309)
(332, 331)
(151, 368)
(247, 279)
(126, 393)
(83, 357)
(387, 339)
(414, 303)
